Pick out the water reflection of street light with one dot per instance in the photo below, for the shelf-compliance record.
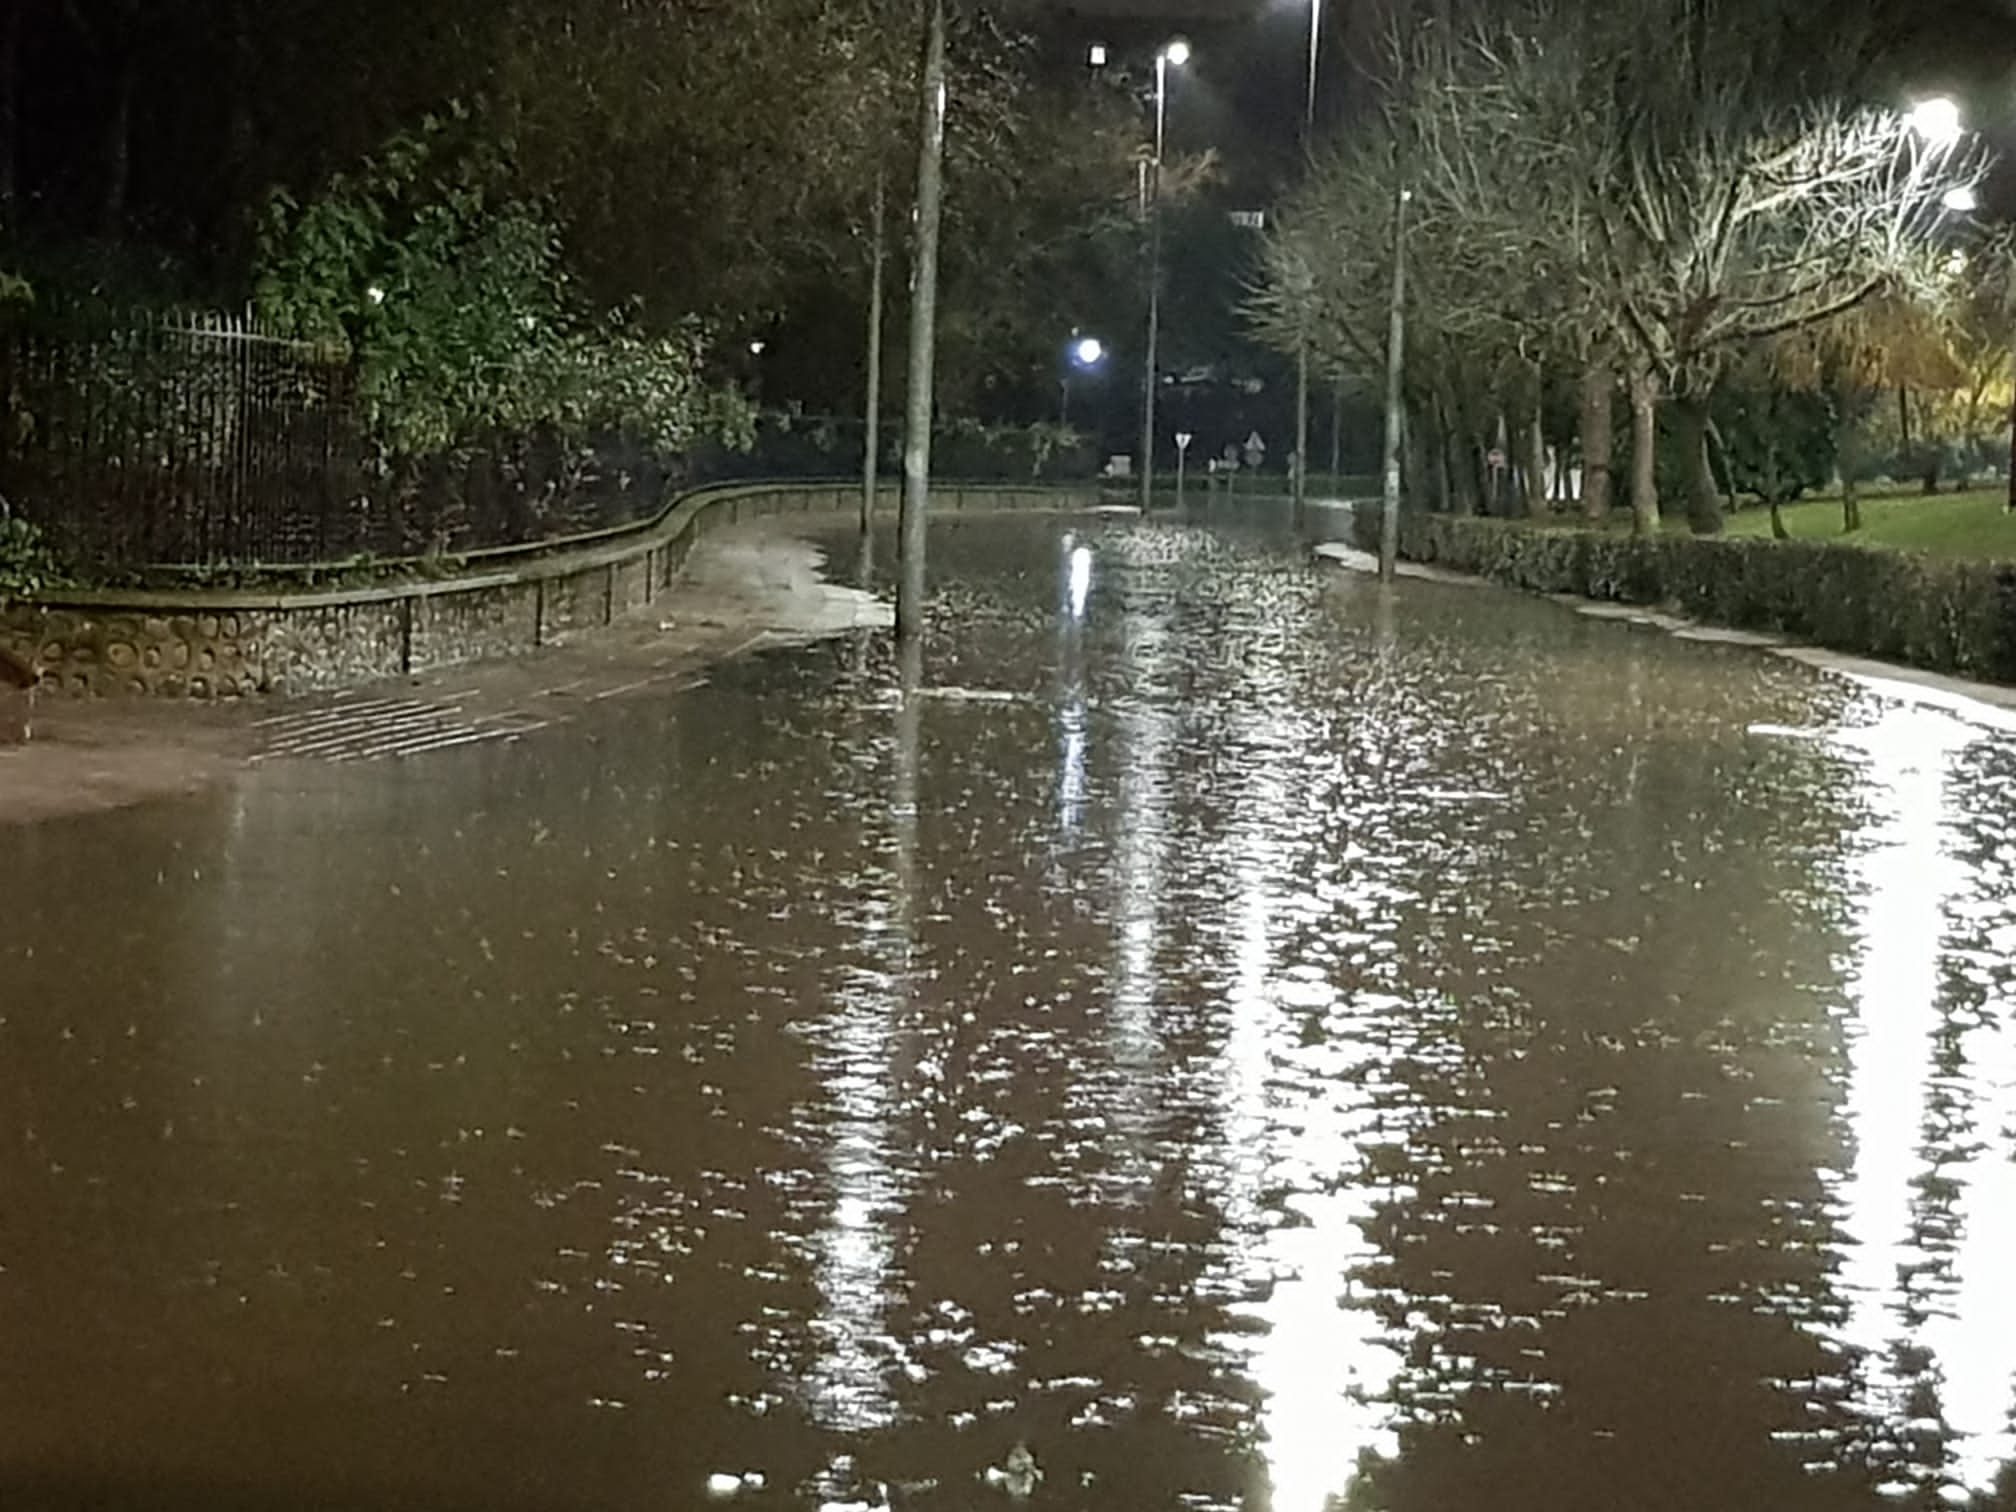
(1174, 55)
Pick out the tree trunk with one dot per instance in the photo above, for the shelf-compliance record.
(1778, 530)
(871, 441)
(10, 108)
(1396, 368)
(1534, 464)
(1704, 502)
(1644, 451)
(1298, 467)
(118, 149)
(1598, 382)
(1445, 496)
(1421, 447)
(2009, 504)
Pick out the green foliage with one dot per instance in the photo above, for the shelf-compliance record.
(453, 302)
(27, 565)
(969, 449)
(1777, 443)
(1949, 616)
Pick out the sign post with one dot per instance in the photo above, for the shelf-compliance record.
(1183, 440)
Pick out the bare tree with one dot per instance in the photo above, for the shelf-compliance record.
(1736, 211)
(1655, 188)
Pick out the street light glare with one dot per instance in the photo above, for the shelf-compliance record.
(1177, 52)
(1089, 351)
(1963, 199)
(1937, 120)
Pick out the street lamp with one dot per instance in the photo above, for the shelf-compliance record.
(1937, 120)
(1085, 354)
(1940, 125)
(1174, 55)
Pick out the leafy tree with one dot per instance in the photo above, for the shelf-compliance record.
(452, 301)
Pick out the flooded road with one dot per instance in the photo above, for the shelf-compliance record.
(1247, 1037)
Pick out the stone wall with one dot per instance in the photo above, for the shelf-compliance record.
(17, 695)
(231, 644)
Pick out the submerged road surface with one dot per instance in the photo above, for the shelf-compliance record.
(1238, 1038)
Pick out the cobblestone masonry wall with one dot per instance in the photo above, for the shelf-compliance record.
(230, 645)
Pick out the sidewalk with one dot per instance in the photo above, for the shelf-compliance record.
(748, 587)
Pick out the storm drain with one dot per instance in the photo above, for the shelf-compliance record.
(357, 727)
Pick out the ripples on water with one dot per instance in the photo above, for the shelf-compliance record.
(1252, 1037)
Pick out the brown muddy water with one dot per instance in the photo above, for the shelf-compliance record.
(1253, 1038)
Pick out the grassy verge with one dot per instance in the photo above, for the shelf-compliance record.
(1974, 524)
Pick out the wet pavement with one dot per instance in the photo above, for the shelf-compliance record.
(1236, 1036)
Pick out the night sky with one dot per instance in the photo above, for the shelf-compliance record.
(1243, 92)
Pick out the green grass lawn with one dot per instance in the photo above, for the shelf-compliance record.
(1973, 524)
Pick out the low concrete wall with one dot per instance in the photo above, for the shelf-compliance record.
(235, 644)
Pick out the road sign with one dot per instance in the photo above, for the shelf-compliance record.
(1250, 220)
(1183, 440)
(1256, 450)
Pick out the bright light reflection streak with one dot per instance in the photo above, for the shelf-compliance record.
(1908, 877)
(1324, 1361)
(1139, 876)
(1081, 580)
(1071, 776)
(1974, 1336)
(848, 1380)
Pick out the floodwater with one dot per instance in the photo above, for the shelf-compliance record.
(1253, 1038)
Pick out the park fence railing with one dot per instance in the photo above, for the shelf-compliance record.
(175, 439)
(175, 443)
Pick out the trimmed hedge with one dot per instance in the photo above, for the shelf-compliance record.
(1945, 616)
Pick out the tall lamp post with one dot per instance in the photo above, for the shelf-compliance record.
(1175, 55)
(919, 402)
(1939, 123)
(1298, 485)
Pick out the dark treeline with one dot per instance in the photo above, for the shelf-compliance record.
(693, 162)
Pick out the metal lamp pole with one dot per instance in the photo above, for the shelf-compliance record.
(1299, 482)
(920, 405)
(1176, 53)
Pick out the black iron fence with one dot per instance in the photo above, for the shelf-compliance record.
(175, 439)
(177, 442)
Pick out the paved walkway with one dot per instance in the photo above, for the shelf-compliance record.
(743, 589)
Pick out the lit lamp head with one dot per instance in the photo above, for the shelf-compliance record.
(1177, 53)
(1937, 121)
(1962, 200)
(1088, 351)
